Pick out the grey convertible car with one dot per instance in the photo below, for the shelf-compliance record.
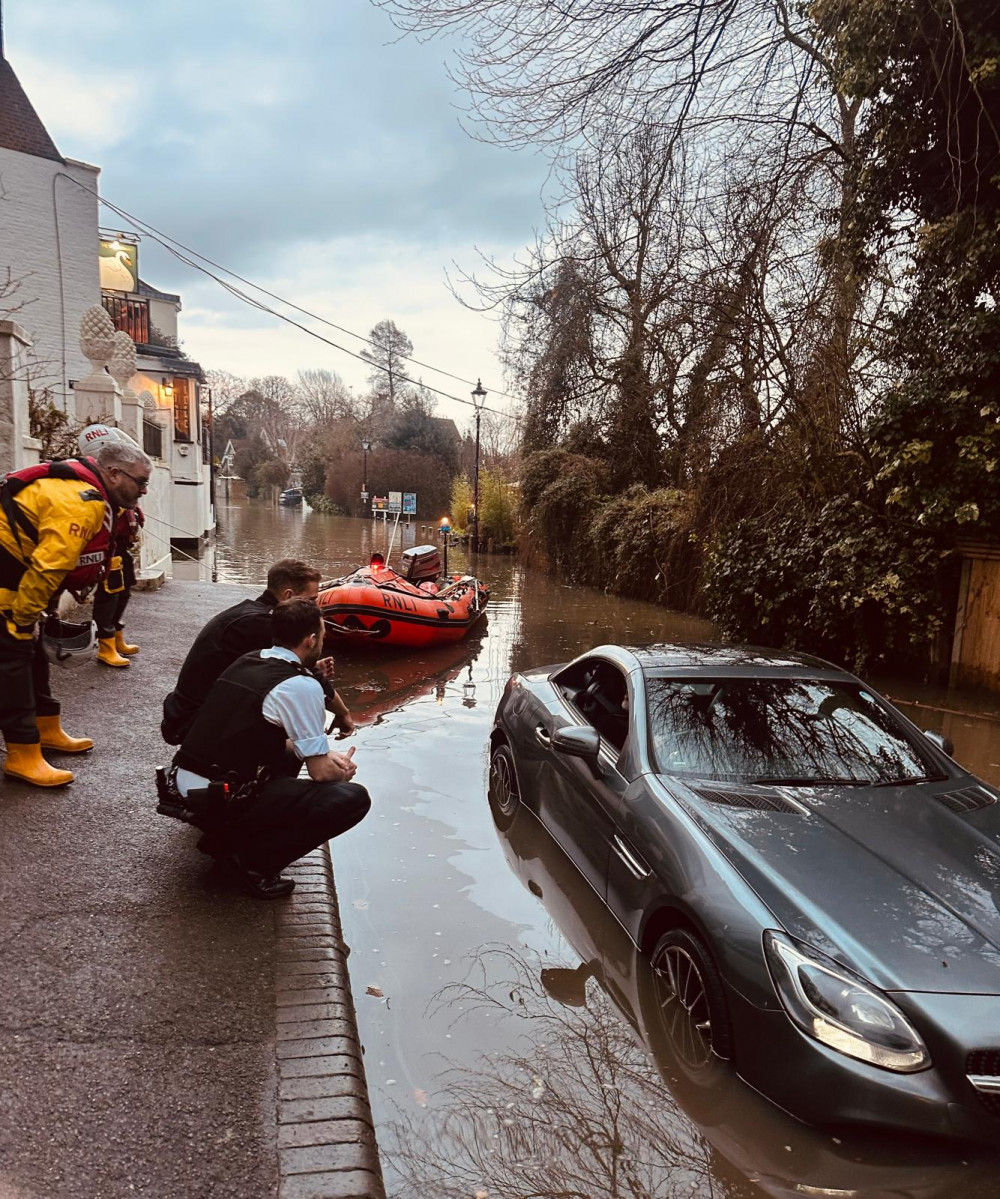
(814, 880)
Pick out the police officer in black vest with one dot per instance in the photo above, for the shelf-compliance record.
(267, 710)
(238, 630)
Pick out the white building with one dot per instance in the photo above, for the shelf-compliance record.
(183, 441)
(48, 241)
(53, 261)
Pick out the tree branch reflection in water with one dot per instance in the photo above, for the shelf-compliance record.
(576, 1111)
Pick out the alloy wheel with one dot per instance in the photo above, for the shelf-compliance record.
(503, 783)
(684, 1005)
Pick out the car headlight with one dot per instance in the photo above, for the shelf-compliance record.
(833, 1005)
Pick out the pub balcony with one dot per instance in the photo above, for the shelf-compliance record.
(129, 315)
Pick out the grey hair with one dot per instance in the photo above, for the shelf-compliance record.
(125, 455)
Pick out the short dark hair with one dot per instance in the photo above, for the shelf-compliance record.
(290, 572)
(293, 621)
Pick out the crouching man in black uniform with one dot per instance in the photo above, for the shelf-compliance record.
(267, 710)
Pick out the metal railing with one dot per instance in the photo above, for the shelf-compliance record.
(131, 316)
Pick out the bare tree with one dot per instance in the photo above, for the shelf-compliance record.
(226, 389)
(388, 354)
(325, 397)
(541, 71)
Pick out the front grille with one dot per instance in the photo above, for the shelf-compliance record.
(761, 801)
(969, 799)
(985, 1063)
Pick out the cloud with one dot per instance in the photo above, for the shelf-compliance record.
(304, 144)
(99, 109)
(388, 279)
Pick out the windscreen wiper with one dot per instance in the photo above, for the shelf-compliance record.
(913, 778)
(812, 782)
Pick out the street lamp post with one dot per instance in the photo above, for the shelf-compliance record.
(445, 531)
(478, 398)
(366, 445)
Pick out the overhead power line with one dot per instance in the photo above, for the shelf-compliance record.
(170, 244)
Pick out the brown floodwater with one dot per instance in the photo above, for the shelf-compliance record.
(508, 1042)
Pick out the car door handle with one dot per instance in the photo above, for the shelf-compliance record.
(635, 865)
(543, 737)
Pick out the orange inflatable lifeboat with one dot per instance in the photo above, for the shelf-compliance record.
(415, 608)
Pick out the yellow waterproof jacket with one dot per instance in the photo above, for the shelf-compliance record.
(66, 514)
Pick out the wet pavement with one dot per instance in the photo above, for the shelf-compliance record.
(512, 1048)
(138, 1006)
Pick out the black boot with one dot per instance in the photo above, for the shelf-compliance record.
(260, 886)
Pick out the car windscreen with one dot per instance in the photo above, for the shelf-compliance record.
(780, 731)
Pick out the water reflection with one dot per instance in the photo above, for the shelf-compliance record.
(598, 1101)
(374, 686)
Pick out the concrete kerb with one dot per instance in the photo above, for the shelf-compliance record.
(326, 1134)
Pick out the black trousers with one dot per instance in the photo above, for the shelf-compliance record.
(24, 688)
(109, 606)
(289, 817)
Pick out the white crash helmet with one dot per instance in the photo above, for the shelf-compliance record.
(94, 436)
(68, 642)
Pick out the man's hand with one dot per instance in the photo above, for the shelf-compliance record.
(332, 767)
(345, 723)
(325, 668)
(346, 763)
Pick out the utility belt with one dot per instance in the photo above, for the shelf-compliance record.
(215, 806)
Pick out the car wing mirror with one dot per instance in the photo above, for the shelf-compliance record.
(941, 741)
(579, 742)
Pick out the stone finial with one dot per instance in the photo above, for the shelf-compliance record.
(97, 337)
(122, 365)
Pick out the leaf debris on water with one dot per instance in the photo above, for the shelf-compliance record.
(376, 991)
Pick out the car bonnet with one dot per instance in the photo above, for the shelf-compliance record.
(890, 880)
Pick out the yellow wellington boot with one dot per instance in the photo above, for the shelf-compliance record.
(54, 736)
(107, 653)
(123, 646)
(26, 762)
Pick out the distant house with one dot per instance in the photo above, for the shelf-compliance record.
(448, 428)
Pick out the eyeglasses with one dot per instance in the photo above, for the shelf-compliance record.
(142, 484)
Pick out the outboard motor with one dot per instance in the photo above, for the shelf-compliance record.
(421, 562)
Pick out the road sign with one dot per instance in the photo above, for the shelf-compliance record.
(409, 503)
(395, 501)
(380, 504)
(364, 496)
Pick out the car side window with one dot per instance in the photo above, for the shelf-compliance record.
(597, 690)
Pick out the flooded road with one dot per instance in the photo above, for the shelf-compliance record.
(513, 1048)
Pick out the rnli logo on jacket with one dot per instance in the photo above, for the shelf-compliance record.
(91, 559)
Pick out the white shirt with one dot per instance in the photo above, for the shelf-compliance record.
(296, 705)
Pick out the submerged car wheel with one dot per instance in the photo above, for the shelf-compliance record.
(690, 1000)
(505, 798)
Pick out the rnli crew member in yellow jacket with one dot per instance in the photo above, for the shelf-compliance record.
(114, 590)
(55, 526)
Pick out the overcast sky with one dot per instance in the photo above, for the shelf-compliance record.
(303, 144)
